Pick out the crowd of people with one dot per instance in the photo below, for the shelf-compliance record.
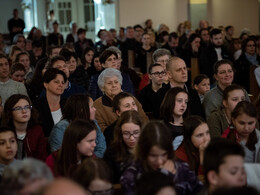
(124, 116)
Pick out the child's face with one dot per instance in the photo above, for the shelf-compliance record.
(87, 145)
(203, 87)
(8, 147)
(18, 76)
(181, 101)
(201, 137)
(244, 125)
(23, 115)
(231, 172)
(234, 97)
(157, 157)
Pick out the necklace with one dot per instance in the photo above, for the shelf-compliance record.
(226, 117)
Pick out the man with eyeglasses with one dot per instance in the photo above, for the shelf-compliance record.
(160, 56)
(147, 96)
(8, 86)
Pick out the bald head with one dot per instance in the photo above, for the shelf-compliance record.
(64, 187)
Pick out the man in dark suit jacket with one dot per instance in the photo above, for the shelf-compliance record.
(212, 53)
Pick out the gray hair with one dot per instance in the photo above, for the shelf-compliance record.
(115, 49)
(16, 37)
(20, 173)
(108, 73)
(160, 52)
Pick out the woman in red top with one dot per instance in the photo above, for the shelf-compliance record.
(195, 139)
(78, 143)
(19, 114)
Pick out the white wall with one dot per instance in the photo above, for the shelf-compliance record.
(170, 12)
(6, 13)
(239, 13)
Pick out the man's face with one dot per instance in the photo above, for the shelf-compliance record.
(138, 32)
(177, 72)
(157, 75)
(174, 43)
(217, 40)
(130, 33)
(4, 68)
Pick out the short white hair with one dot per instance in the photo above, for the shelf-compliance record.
(108, 73)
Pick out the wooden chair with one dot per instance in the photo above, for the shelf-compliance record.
(195, 70)
(149, 60)
(254, 88)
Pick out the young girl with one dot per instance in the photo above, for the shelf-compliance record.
(154, 151)
(195, 139)
(97, 177)
(19, 114)
(201, 84)
(174, 111)
(220, 119)
(126, 134)
(79, 106)
(79, 142)
(243, 131)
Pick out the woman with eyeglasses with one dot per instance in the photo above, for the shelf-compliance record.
(126, 134)
(19, 114)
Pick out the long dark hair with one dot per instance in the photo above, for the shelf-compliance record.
(7, 119)
(190, 124)
(154, 133)
(118, 143)
(67, 155)
(168, 104)
(249, 109)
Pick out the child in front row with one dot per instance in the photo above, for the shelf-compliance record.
(223, 165)
(202, 85)
(8, 147)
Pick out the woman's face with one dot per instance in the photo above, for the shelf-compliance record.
(72, 64)
(200, 136)
(92, 110)
(111, 62)
(244, 125)
(112, 87)
(87, 145)
(89, 57)
(195, 44)
(55, 86)
(250, 48)
(21, 111)
(24, 59)
(130, 133)
(157, 157)
(224, 75)
(234, 97)
(97, 64)
(181, 101)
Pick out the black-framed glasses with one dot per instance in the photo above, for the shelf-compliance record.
(127, 134)
(20, 108)
(163, 73)
(110, 191)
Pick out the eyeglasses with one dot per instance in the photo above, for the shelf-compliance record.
(163, 73)
(163, 61)
(110, 191)
(127, 134)
(25, 108)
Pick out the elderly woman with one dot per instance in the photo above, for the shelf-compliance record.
(109, 59)
(109, 82)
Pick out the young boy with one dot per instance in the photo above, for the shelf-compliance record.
(223, 165)
(8, 147)
(18, 72)
(201, 84)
